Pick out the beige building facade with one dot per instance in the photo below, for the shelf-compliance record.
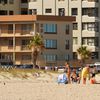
(13, 7)
(86, 28)
(17, 30)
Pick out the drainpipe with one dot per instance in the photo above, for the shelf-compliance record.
(13, 44)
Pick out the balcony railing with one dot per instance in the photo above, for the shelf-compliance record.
(25, 47)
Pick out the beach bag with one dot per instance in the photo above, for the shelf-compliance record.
(62, 78)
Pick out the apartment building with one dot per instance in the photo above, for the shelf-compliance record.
(13, 7)
(17, 30)
(86, 28)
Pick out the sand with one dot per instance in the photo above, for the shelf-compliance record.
(46, 88)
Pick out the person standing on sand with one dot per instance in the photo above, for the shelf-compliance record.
(85, 74)
(67, 66)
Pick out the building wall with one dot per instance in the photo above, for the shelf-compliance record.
(21, 54)
(78, 33)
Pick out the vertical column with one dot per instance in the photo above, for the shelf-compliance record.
(14, 41)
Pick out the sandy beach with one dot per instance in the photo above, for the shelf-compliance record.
(46, 88)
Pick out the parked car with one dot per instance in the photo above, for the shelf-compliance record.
(97, 64)
(24, 66)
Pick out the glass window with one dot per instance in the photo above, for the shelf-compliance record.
(67, 44)
(3, 2)
(50, 28)
(11, 1)
(26, 57)
(50, 57)
(48, 10)
(75, 26)
(51, 44)
(61, 11)
(74, 11)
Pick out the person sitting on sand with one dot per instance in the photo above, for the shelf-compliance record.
(85, 74)
(74, 76)
(92, 79)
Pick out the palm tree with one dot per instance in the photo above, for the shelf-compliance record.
(83, 53)
(37, 46)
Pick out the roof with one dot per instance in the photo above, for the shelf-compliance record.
(18, 18)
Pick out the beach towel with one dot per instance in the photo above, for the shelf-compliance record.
(62, 78)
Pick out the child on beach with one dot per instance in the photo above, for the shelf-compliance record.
(92, 79)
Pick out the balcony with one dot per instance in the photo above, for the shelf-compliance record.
(90, 3)
(24, 47)
(24, 5)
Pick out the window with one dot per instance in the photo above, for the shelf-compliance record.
(90, 12)
(26, 57)
(61, 11)
(25, 42)
(95, 55)
(75, 40)
(10, 42)
(91, 41)
(67, 57)
(74, 11)
(10, 28)
(11, 1)
(50, 57)
(50, 28)
(92, 26)
(51, 44)
(48, 10)
(3, 12)
(74, 55)
(67, 44)
(67, 29)
(3, 2)
(11, 12)
(24, 1)
(34, 11)
(61, 0)
(75, 26)
(33, 0)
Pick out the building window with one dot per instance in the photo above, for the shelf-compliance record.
(74, 55)
(48, 10)
(74, 11)
(67, 29)
(61, 11)
(3, 2)
(33, 11)
(10, 42)
(11, 12)
(11, 1)
(90, 12)
(26, 57)
(50, 28)
(67, 57)
(91, 26)
(50, 57)
(10, 28)
(67, 44)
(61, 0)
(3, 12)
(75, 40)
(25, 42)
(91, 41)
(95, 55)
(51, 44)
(75, 26)
(33, 0)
